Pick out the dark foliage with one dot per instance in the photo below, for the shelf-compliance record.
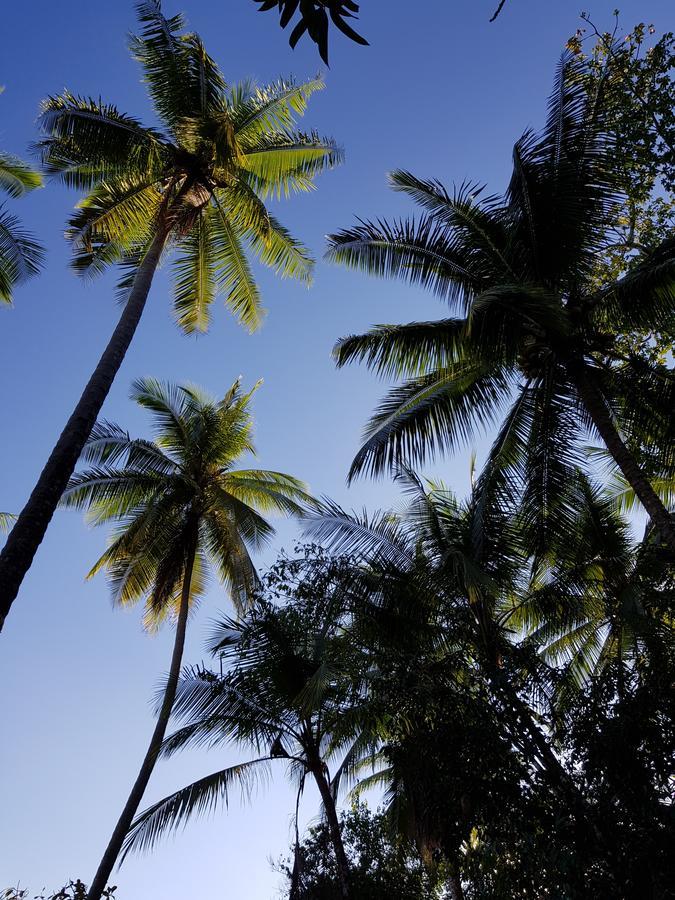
(314, 19)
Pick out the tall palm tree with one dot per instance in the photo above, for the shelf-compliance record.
(20, 256)
(196, 187)
(180, 506)
(468, 560)
(532, 338)
(289, 684)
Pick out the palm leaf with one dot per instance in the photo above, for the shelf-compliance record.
(21, 257)
(199, 798)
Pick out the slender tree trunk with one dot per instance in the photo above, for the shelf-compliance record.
(334, 828)
(29, 530)
(113, 849)
(597, 409)
(455, 887)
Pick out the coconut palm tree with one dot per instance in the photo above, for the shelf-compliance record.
(289, 683)
(463, 563)
(20, 256)
(531, 340)
(180, 506)
(196, 186)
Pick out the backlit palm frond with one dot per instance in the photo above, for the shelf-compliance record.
(168, 403)
(87, 141)
(108, 444)
(476, 221)
(194, 284)
(286, 162)
(229, 554)
(16, 178)
(162, 53)
(268, 491)
(269, 240)
(232, 271)
(380, 537)
(21, 257)
(112, 220)
(7, 520)
(258, 111)
(550, 466)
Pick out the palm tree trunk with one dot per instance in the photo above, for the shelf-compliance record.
(333, 828)
(29, 530)
(113, 849)
(596, 407)
(455, 887)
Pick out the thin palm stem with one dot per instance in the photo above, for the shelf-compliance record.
(597, 409)
(333, 826)
(131, 808)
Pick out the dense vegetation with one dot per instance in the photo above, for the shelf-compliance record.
(494, 673)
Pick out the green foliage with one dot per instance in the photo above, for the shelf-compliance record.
(21, 256)
(531, 328)
(380, 867)
(162, 493)
(314, 18)
(200, 182)
(289, 676)
(637, 75)
(483, 665)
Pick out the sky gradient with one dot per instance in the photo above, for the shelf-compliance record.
(442, 93)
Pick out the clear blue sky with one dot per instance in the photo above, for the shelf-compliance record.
(442, 93)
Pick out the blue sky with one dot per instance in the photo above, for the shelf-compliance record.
(442, 93)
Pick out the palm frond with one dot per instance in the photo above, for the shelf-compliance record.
(194, 284)
(16, 178)
(232, 271)
(419, 252)
(431, 414)
(199, 798)
(87, 141)
(21, 257)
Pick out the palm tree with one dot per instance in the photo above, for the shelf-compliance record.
(463, 563)
(20, 256)
(533, 334)
(197, 187)
(289, 684)
(180, 506)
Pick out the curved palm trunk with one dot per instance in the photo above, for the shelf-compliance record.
(334, 828)
(596, 407)
(114, 847)
(29, 530)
